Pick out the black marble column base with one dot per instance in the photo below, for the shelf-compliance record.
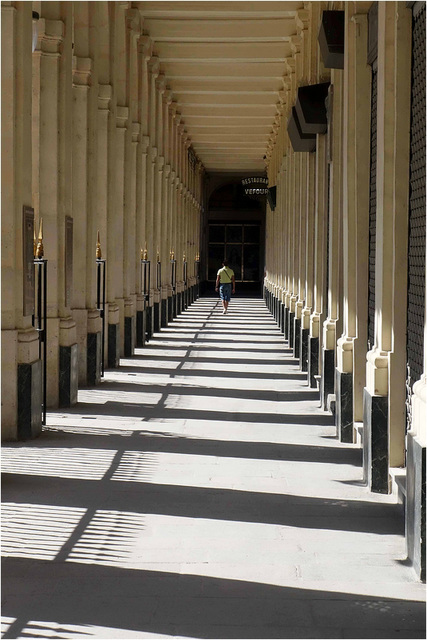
(297, 339)
(175, 305)
(140, 328)
(29, 400)
(286, 323)
(156, 317)
(164, 313)
(113, 346)
(94, 356)
(415, 507)
(375, 442)
(148, 323)
(282, 318)
(179, 298)
(313, 362)
(327, 382)
(291, 329)
(304, 349)
(68, 375)
(344, 405)
(129, 337)
(170, 309)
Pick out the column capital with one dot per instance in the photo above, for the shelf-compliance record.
(82, 71)
(144, 141)
(122, 115)
(296, 42)
(145, 47)
(167, 171)
(154, 66)
(105, 92)
(133, 21)
(290, 67)
(302, 19)
(161, 83)
(51, 36)
(160, 162)
(167, 97)
(153, 153)
(136, 129)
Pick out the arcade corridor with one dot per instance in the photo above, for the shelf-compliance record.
(169, 470)
(200, 492)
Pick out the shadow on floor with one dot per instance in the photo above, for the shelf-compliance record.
(191, 605)
(126, 486)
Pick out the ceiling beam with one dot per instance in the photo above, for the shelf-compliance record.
(227, 100)
(196, 52)
(216, 30)
(254, 70)
(230, 9)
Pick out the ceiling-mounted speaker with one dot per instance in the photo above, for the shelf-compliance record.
(331, 39)
(300, 141)
(271, 197)
(311, 108)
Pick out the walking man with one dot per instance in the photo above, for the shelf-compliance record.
(226, 284)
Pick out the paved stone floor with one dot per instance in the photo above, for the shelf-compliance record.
(200, 492)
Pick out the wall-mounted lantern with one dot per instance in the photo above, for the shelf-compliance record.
(300, 141)
(331, 39)
(311, 108)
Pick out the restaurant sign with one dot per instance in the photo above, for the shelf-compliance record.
(255, 187)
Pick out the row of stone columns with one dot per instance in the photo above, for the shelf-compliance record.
(316, 280)
(98, 150)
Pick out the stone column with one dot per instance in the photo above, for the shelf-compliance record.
(384, 394)
(312, 65)
(351, 347)
(165, 246)
(301, 251)
(153, 68)
(141, 203)
(55, 137)
(21, 366)
(130, 249)
(103, 203)
(334, 216)
(119, 265)
(88, 323)
(144, 230)
(320, 263)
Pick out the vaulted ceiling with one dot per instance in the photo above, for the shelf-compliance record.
(224, 63)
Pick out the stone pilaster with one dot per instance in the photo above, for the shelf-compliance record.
(334, 243)
(384, 394)
(56, 196)
(351, 347)
(21, 379)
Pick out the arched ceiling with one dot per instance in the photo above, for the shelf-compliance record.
(224, 63)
